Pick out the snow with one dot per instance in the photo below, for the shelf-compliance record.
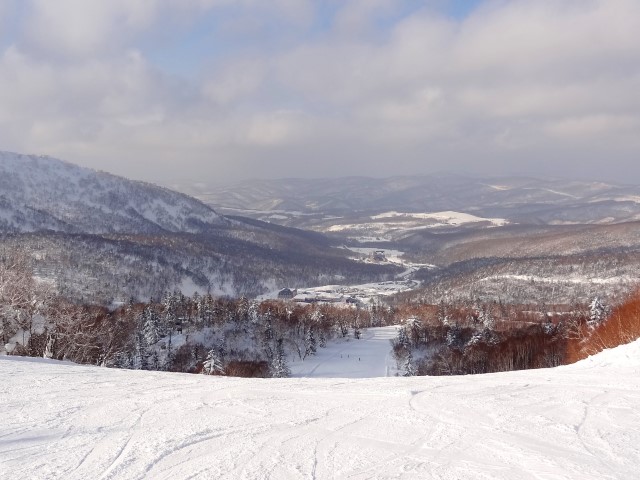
(339, 293)
(555, 192)
(366, 357)
(388, 225)
(46, 193)
(391, 255)
(61, 421)
(576, 279)
(445, 218)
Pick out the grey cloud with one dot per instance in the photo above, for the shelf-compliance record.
(521, 86)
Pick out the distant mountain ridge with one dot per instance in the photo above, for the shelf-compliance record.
(518, 199)
(44, 193)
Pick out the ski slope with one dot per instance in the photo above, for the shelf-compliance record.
(367, 357)
(63, 421)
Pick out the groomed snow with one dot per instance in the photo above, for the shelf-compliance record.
(62, 421)
(367, 357)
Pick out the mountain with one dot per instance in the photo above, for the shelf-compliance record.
(308, 202)
(103, 237)
(39, 193)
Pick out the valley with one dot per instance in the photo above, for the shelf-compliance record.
(309, 240)
(153, 260)
(466, 236)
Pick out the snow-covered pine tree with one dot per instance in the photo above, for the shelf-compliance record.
(409, 367)
(414, 331)
(151, 326)
(267, 332)
(402, 339)
(597, 312)
(279, 367)
(443, 314)
(310, 343)
(141, 359)
(154, 361)
(323, 339)
(170, 309)
(221, 347)
(254, 313)
(356, 332)
(122, 360)
(486, 318)
(213, 364)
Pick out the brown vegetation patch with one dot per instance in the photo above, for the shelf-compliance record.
(621, 327)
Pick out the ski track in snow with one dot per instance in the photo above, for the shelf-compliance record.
(65, 421)
(367, 357)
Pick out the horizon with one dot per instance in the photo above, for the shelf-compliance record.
(227, 90)
(192, 184)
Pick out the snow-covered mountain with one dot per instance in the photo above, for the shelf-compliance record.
(97, 236)
(65, 421)
(302, 202)
(43, 193)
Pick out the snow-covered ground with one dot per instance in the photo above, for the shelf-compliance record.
(366, 291)
(61, 421)
(443, 218)
(367, 357)
(340, 293)
(392, 225)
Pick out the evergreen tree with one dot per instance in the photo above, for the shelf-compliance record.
(323, 339)
(170, 310)
(409, 368)
(279, 367)
(597, 312)
(486, 318)
(213, 364)
(268, 328)
(310, 343)
(221, 347)
(151, 326)
(141, 361)
(402, 339)
(154, 361)
(443, 314)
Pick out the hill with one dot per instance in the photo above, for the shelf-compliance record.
(40, 193)
(101, 237)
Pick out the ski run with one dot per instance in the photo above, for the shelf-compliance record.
(66, 421)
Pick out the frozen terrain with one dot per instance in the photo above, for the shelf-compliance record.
(62, 421)
(392, 225)
(368, 357)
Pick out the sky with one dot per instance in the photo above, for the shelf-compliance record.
(216, 91)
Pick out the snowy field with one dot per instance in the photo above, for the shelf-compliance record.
(368, 357)
(61, 421)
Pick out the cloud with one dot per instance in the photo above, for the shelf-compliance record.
(365, 86)
(84, 28)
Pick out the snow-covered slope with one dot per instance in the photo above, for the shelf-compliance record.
(368, 357)
(60, 421)
(39, 193)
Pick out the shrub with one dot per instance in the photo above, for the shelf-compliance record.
(247, 369)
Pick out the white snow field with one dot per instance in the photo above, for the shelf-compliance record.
(64, 421)
(368, 357)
